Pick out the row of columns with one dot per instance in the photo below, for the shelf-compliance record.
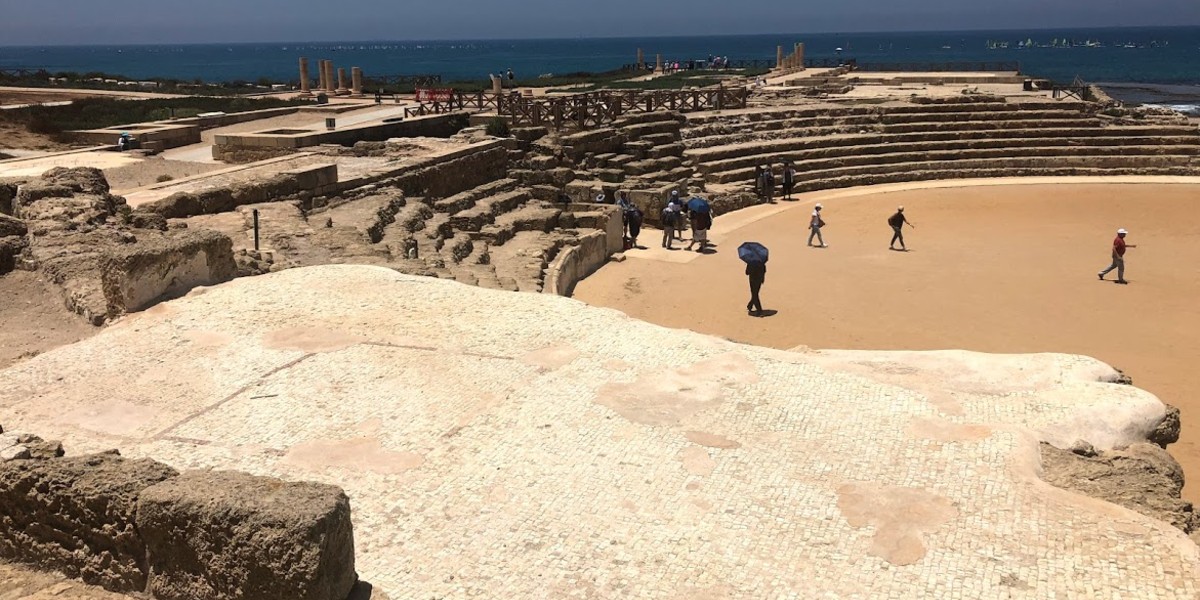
(330, 81)
(794, 61)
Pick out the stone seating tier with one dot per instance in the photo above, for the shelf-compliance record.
(1081, 136)
(742, 167)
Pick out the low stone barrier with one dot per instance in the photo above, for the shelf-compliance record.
(139, 526)
(233, 535)
(573, 263)
(313, 180)
(137, 275)
(76, 515)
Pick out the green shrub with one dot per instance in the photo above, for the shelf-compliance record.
(497, 127)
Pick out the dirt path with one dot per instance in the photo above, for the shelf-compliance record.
(999, 269)
(33, 319)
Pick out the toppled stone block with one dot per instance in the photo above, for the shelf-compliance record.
(16, 452)
(229, 535)
(135, 276)
(76, 515)
(11, 226)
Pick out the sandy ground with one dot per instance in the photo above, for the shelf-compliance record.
(1007, 268)
(33, 319)
(148, 171)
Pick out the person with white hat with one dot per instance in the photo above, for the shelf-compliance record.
(897, 221)
(1118, 257)
(814, 225)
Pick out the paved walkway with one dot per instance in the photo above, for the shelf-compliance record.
(508, 445)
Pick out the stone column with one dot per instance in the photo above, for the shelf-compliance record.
(497, 84)
(356, 82)
(304, 83)
(800, 56)
(320, 74)
(641, 59)
(778, 57)
(342, 90)
(658, 68)
(330, 83)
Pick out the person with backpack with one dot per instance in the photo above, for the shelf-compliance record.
(815, 224)
(670, 213)
(634, 220)
(897, 221)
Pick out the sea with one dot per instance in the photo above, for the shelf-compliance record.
(1138, 65)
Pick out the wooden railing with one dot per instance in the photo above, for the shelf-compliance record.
(401, 80)
(936, 67)
(584, 111)
(690, 65)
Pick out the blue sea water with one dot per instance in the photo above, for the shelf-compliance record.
(1128, 55)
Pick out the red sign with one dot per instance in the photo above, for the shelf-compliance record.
(434, 94)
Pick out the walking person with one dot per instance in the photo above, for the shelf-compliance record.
(680, 216)
(700, 216)
(758, 181)
(669, 214)
(635, 225)
(815, 224)
(1118, 257)
(897, 221)
(769, 184)
(756, 272)
(789, 180)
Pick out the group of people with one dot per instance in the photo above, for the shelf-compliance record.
(757, 272)
(764, 182)
(677, 214)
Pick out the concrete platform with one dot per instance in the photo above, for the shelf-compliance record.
(527, 446)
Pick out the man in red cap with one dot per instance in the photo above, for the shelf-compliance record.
(1118, 257)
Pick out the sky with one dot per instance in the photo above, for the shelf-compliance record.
(68, 22)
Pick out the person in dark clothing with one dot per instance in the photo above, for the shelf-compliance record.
(757, 273)
(789, 181)
(898, 221)
(634, 220)
(669, 214)
(758, 180)
(769, 184)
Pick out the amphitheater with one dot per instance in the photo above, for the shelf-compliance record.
(303, 316)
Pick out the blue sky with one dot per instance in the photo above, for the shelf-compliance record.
(44, 22)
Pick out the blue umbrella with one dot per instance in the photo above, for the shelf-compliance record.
(753, 252)
(698, 204)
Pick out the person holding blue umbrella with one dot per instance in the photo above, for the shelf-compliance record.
(700, 216)
(755, 256)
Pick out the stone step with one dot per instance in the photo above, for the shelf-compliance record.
(649, 117)
(370, 214)
(643, 130)
(467, 199)
(990, 173)
(953, 149)
(651, 165)
(774, 114)
(662, 139)
(705, 155)
(486, 210)
(532, 216)
(1010, 163)
(739, 133)
(666, 150)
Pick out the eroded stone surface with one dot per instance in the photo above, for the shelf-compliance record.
(616, 473)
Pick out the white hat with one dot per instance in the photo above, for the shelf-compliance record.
(1120, 231)
(899, 208)
(818, 205)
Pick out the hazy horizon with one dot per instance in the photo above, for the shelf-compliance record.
(601, 37)
(139, 22)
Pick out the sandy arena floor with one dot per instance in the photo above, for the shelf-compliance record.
(1008, 268)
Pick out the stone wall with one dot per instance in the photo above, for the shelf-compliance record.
(137, 275)
(574, 263)
(446, 178)
(246, 147)
(139, 526)
(287, 185)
